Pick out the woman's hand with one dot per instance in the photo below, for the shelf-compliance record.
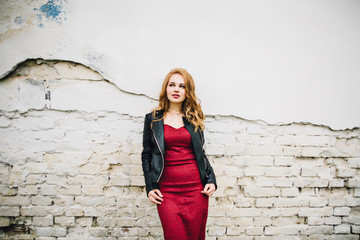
(209, 189)
(155, 196)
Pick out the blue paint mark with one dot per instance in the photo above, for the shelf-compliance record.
(51, 9)
(19, 20)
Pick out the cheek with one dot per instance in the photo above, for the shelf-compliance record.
(167, 90)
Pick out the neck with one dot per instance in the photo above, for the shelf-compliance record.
(175, 108)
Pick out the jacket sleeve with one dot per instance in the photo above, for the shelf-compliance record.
(209, 170)
(146, 154)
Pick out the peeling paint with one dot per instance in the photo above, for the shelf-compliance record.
(47, 91)
(19, 20)
(52, 10)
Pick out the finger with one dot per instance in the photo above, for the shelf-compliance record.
(153, 200)
(158, 193)
(157, 197)
(207, 188)
(154, 195)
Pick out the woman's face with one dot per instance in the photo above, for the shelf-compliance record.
(175, 89)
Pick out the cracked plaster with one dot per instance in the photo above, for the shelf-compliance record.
(256, 67)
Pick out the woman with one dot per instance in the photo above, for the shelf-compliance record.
(178, 175)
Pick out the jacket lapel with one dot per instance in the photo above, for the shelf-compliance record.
(194, 140)
(158, 127)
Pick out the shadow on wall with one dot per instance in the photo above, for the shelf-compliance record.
(70, 166)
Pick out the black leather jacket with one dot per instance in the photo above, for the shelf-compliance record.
(153, 153)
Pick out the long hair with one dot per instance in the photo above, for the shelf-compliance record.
(190, 106)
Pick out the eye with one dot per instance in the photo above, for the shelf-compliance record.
(171, 84)
(182, 86)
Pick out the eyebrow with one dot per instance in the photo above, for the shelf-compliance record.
(175, 83)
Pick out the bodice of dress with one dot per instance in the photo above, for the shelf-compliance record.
(178, 147)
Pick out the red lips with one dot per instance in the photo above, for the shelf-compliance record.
(176, 95)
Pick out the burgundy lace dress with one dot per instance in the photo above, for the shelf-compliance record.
(183, 213)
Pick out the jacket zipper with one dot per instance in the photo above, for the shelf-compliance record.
(162, 157)
(202, 143)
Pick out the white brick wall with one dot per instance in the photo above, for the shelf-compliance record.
(77, 174)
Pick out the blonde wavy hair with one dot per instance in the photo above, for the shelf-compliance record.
(190, 106)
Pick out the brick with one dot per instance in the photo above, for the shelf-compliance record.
(311, 182)
(254, 171)
(352, 202)
(318, 202)
(222, 221)
(316, 212)
(9, 211)
(216, 231)
(310, 230)
(270, 231)
(65, 221)
(50, 231)
(353, 183)
(309, 172)
(336, 201)
(271, 212)
(15, 201)
(260, 161)
(7, 191)
(342, 229)
(290, 202)
(354, 162)
(107, 221)
(282, 182)
(264, 182)
(70, 190)
(84, 221)
(28, 190)
(53, 179)
(289, 192)
(351, 219)
(226, 181)
(251, 191)
(337, 183)
(92, 190)
(243, 212)
(90, 169)
(264, 150)
(4, 221)
(278, 171)
(290, 230)
(99, 232)
(40, 211)
(342, 211)
(303, 140)
(41, 200)
(262, 221)
(343, 237)
(216, 212)
(316, 221)
(233, 231)
(49, 190)
(254, 231)
(264, 202)
(283, 161)
(289, 211)
(357, 192)
(355, 229)
(332, 220)
(44, 221)
(120, 181)
(345, 172)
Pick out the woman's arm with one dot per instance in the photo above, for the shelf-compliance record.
(209, 170)
(146, 154)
